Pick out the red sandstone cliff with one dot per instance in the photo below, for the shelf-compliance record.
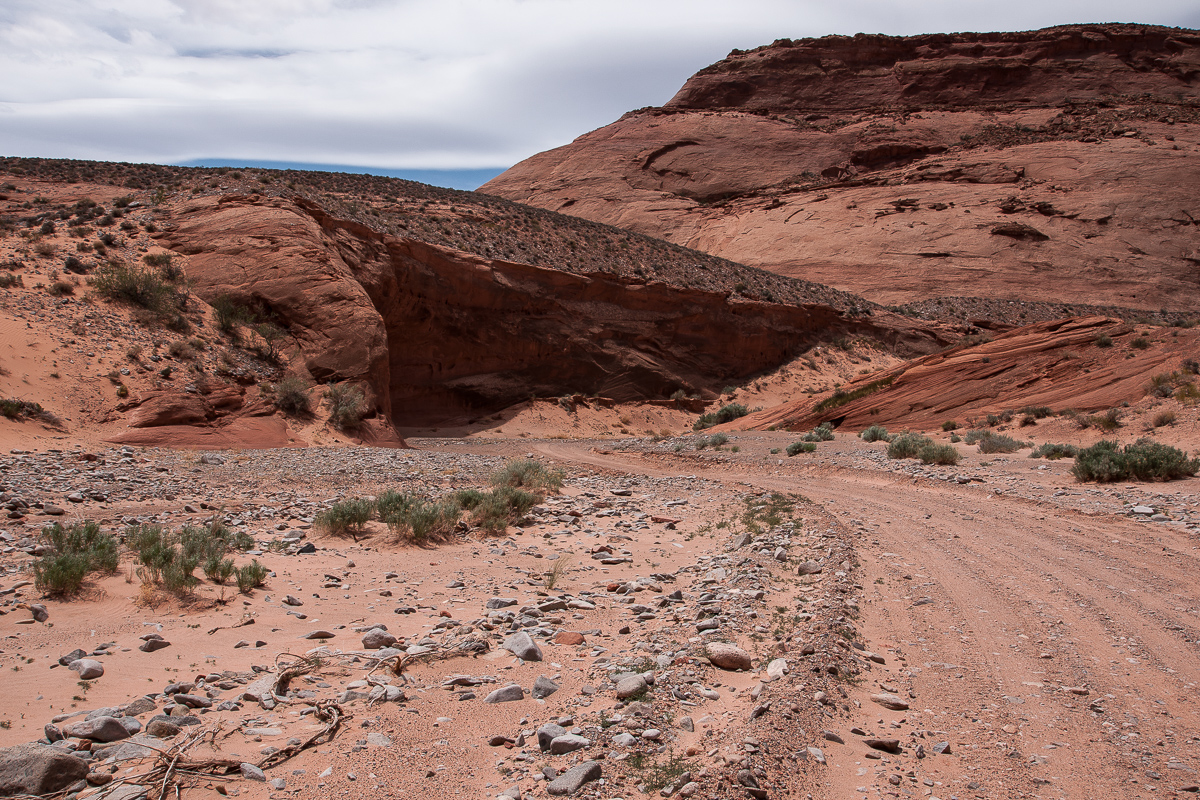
(1054, 165)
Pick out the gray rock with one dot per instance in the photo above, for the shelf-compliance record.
(251, 772)
(150, 645)
(100, 729)
(506, 694)
(37, 769)
(501, 602)
(568, 743)
(571, 781)
(809, 568)
(292, 601)
(193, 701)
(377, 638)
(624, 740)
(74, 655)
(548, 733)
(142, 705)
(132, 725)
(630, 686)
(543, 687)
(890, 701)
(319, 635)
(523, 647)
(87, 668)
(52, 733)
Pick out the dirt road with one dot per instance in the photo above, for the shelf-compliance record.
(1054, 651)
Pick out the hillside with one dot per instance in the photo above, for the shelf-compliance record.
(440, 307)
(1050, 166)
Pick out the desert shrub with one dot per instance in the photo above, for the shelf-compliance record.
(949, 425)
(346, 405)
(1140, 343)
(345, 517)
(8, 280)
(841, 397)
(181, 350)
(77, 551)
(875, 433)
(934, 453)
(907, 445)
(228, 315)
(717, 439)
(525, 473)
(1192, 366)
(1187, 394)
(795, 448)
(73, 264)
(955, 438)
(269, 335)
(1144, 460)
(493, 511)
(727, 413)
(821, 433)
(1165, 417)
(60, 289)
(993, 442)
(1053, 452)
(21, 409)
(1104, 340)
(251, 576)
(219, 570)
(1108, 421)
(136, 286)
(291, 395)
(418, 518)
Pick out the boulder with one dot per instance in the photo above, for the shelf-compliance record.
(523, 647)
(100, 729)
(574, 779)
(727, 656)
(377, 638)
(38, 769)
(87, 668)
(506, 694)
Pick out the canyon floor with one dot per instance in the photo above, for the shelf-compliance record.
(1033, 636)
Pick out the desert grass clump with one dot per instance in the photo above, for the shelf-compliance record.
(943, 454)
(291, 396)
(76, 551)
(553, 575)
(875, 433)
(1053, 452)
(727, 413)
(347, 405)
(526, 473)
(163, 563)
(821, 433)
(345, 517)
(907, 445)
(993, 442)
(1163, 418)
(251, 576)
(137, 286)
(417, 518)
(493, 511)
(1144, 460)
(795, 448)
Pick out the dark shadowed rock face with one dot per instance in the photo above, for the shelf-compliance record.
(1053, 165)
(436, 334)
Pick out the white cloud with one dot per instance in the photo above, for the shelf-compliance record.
(404, 83)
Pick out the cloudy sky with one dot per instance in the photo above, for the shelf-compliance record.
(404, 84)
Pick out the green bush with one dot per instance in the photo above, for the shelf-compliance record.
(347, 516)
(291, 396)
(949, 425)
(1104, 340)
(907, 445)
(139, 287)
(525, 473)
(219, 570)
(727, 413)
(1145, 460)
(821, 433)
(717, 439)
(346, 404)
(800, 447)
(251, 576)
(21, 409)
(493, 511)
(1053, 452)
(993, 442)
(77, 551)
(8, 280)
(841, 397)
(875, 433)
(1140, 343)
(420, 519)
(934, 453)
(228, 315)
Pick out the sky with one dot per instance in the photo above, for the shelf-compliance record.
(458, 89)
